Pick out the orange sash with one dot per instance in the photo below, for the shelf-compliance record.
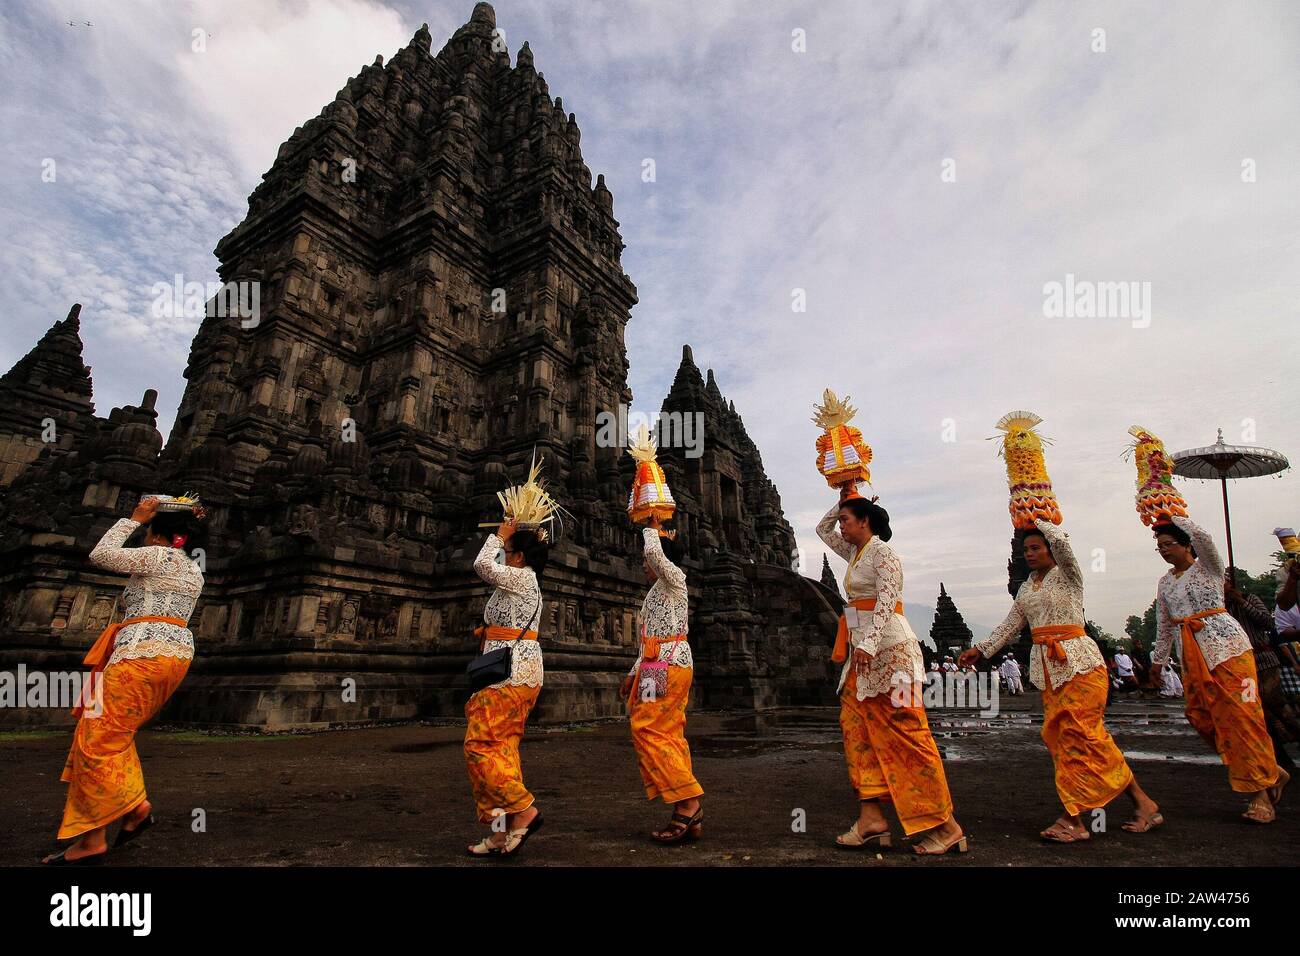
(99, 653)
(1193, 623)
(491, 632)
(1050, 636)
(650, 644)
(841, 652)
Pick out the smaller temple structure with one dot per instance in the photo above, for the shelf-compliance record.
(949, 632)
(828, 576)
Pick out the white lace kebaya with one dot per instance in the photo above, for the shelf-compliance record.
(1056, 600)
(1197, 589)
(164, 582)
(664, 611)
(875, 572)
(515, 603)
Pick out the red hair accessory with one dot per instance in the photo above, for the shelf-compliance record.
(178, 540)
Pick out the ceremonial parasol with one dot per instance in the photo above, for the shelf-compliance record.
(1228, 461)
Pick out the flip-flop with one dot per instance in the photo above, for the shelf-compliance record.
(61, 859)
(125, 836)
(856, 841)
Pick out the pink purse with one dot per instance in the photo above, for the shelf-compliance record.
(656, 673)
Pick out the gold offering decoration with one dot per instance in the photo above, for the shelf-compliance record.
(650, 493)
(186, 502)
(1031, 489)
(1157, 501)
(530, 506)
(1290, 543)
(842, 455)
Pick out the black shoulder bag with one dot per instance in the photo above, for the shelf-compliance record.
(495, 666)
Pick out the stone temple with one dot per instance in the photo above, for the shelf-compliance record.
(950, 633)
(441, 292)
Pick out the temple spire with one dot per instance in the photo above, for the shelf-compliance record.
(54, 365)
(949, 632)
(828, 576)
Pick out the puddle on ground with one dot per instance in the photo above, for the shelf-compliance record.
(1212, 759)
(961, 736)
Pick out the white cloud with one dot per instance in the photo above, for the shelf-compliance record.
(777, 170)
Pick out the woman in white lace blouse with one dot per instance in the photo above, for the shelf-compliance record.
(1066, 665)
(658, 687)
(1220, 683)
(888, 746)
(138, 664)
(496, 714)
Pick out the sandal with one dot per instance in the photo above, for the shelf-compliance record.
(61, 859)
(515, 839)
(485, 847)
(1143, 824)
(855, 840)
(932, 845)
(681, 827)
(1060, 832)
(125, 836)
(1259, 814)
(1275, 791)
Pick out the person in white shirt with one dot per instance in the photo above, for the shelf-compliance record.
(1170, 685)
(1218, 662)
(1286, 613)
(1016, 674)
(496, 714)
(659, 685)
(138, 664)
(1067, 666)
(890, 752)
(1124, 670)
(1011, 671)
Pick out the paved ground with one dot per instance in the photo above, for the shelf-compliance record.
(399, 796)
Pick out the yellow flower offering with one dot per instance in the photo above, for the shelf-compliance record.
(1157, 500)
(1031, 489)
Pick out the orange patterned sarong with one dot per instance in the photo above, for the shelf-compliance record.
(659, 736)
(1090, 769)
(1223, 705)
(496, 718)
(892, 757)
(103, 769)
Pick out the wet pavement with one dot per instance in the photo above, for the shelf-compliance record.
(776, 793)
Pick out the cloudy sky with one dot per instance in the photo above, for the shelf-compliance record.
(920, 170)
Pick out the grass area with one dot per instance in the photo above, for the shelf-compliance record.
(9, 736)
(212, 737)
